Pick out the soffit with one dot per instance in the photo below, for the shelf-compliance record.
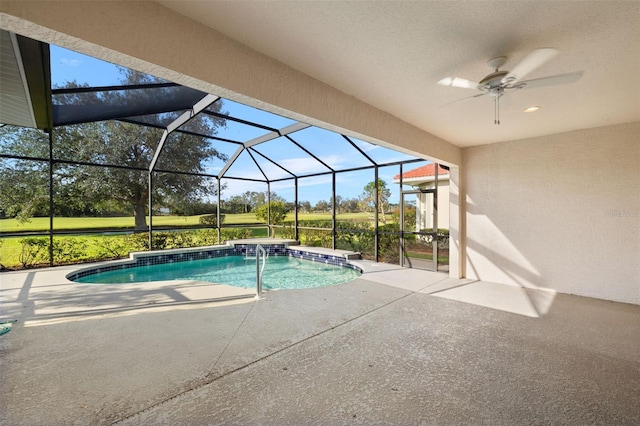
(24, 82)
(15, 103)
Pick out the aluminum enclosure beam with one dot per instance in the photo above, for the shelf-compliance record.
(261, 139)
(186, 116)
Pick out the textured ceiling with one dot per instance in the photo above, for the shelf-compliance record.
(391, 54)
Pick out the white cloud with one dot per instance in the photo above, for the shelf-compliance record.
(70, 62)
(367, 147)
(302, 165)
(322, 180)
(239, 187)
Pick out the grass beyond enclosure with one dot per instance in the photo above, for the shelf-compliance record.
(82, 247)
(19, 252)
(87, 223)
(354, 233)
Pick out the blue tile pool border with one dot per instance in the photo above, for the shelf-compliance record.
(200, 253)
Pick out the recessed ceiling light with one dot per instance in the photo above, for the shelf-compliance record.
(532, 109)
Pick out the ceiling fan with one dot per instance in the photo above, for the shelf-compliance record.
(498, 82)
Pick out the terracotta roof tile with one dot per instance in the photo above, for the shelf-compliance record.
(424, 171)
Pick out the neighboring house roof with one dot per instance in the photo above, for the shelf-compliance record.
(426, 171)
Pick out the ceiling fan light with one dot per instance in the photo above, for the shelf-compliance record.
(458, 82)
(532, 109)
(464, 83)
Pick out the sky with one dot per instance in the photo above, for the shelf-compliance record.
(68, 66)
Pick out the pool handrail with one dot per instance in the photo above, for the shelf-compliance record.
(259, 271)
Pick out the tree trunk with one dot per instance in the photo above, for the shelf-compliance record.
(140, 215)
(382, 209)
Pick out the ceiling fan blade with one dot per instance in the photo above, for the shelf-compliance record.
(458, 82)
(464, 99)
(553, 80)
(530, 62)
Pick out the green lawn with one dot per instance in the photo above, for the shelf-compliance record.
(443, 260)
(11, 247)
(92, 246)
(85, 223)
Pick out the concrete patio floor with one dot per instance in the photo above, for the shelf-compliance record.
(396, 346)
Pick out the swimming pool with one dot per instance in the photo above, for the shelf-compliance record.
(285, 268)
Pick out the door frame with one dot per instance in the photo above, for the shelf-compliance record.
(417, 233)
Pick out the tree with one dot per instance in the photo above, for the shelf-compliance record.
(368, 197)
(338, 201)
(24, 185)
(349, 205)
(246, 201)
(130, 147)
(305, 206)
(276, 213)
(322, 206)
(275, 197)
(197, 207)
(249, 201)
(235, 204)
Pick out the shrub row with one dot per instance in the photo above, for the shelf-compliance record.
(354, 236)
(211, 220)
(360, 237)
(66, 250)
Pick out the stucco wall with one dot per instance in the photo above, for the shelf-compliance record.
(424, 206)
(560, 212)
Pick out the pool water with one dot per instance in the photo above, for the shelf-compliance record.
(280, 272)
